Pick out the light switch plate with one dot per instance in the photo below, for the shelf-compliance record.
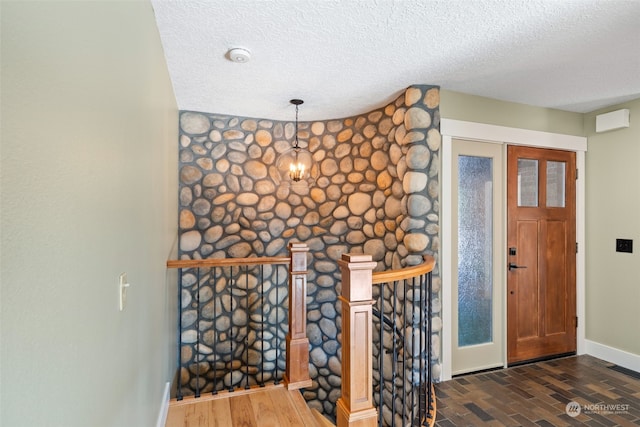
(123, 284)
(624, 245)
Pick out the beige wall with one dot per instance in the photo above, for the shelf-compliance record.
(89, 190)
(471, 108)
(613, 208)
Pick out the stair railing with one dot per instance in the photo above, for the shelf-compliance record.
(386, 348)
(239, 333)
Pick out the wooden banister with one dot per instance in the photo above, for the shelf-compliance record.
(389, 276)
(297, 370)
(225, 262)
(355, 406)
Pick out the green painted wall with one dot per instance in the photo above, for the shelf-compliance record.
(89, 190)
(471, 108)
(613, 206)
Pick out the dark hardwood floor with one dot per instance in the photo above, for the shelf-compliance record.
(538, 395)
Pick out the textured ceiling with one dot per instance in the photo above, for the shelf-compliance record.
(345, 57)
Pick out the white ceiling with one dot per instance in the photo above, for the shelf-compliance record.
(346, 57)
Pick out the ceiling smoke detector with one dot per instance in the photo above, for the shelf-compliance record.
(239, 55)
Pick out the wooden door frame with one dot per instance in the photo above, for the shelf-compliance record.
(456, 129)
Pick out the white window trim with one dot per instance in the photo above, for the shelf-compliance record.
(451, 129)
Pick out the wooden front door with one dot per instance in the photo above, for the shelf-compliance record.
(541, 258)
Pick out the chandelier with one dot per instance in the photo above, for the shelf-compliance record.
(296, 165)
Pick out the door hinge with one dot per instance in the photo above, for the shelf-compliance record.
(576, 322)
(577, 173)
(576, 247)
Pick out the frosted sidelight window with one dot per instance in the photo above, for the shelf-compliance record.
(527, 182)
(555, 184)
(475, 254)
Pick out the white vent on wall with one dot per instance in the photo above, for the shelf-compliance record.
(614, 120)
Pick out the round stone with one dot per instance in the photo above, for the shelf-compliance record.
(255, 169)
(341, 212)
(398, 116)
(206, 164)
(385, 126)
(412, 137)
(384, 180)
(276, 227)
(365, 150)
(201, 207)
(328, 141)
(263, 137)
(414, 182)
(215, 135)
(274, 247)
(335, 252)
(194, 123)
(375, 248)
(432, 98)
(329, 167)
(190, 240)
(333, 192)
(328, 327)
(418, 157)
(265, 187)
(416, 242)
(283, 210)
(237, 157)
(412, 95)
(379, 160)
(223, 165)
(378, 199)
(434, 139)
(187, 220)
(240, 250)
(416, 118)
(246, 199)
(190, 175)
(359, 203)
(213, 234)
(218, 151)
(345, 135)
(318, 357)
(418, 205)
(375, 116)
(232, 134)
(393, 207)
(314, 334)
(266, 203)
(360, 164)
(212, 180)
(356, 237)
(318, 195)
(311, 218)
(317, 128)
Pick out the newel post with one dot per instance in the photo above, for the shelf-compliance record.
(297, 371)
(355, 406)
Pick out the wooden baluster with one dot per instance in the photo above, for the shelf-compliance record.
(355, 406)
(297, 371)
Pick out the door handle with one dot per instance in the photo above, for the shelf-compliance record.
(512, 266)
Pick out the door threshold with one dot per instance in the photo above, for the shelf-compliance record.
(481, 371)
(541, 359)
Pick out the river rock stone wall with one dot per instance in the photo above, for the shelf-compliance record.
(376, 192)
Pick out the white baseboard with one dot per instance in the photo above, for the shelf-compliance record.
(613, 355)
(164, 407)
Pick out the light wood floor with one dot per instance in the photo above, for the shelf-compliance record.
(268, 407)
